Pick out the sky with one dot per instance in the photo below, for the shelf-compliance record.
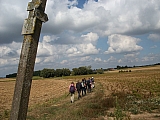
(100, 33)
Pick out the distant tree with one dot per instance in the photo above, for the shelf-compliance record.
(75, 71)
(89, 70)
(46, 73)
(83, 70)
(157, 64)
(100, 71)
(94, 71)
(11, 75)
(37, 73)
(66, 72)
(58, 72)
(118, 67)
(52, 72)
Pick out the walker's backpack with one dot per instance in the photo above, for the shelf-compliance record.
(72, 89)
(92, 80)
(82, 84)
(78, 86)
(88, 82)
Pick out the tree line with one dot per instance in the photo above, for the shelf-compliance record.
(47, 73)
(84, 70)
(123, 67)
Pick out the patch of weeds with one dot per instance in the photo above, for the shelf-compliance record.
(96, 105)
(1, 116)
(136, 104)
(134, 109)
(122, 99)
(30, 117)
(119, 114)
(137, 95)
(43, 111)
(92, 105)
(108, 102)
(6, 113)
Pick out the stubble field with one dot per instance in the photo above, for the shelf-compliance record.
(42, 90)
(130, 95)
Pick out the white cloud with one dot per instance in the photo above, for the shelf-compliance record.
(39, 60)
(82, 50)
(151, 57)
(64, 61)
(122, 44)
(153, 47)
(48, 52)
(3, 62)
(131, 55)
(86, 58)
(102, 17)
(12, 50)
(98, 60)
(90, 38)
(111, 59)
(76, 35)
(120, 61)
(5, 51)
(146, 58)
(154, 37)
(46, 38)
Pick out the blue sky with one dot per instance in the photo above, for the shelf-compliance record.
(101, 33)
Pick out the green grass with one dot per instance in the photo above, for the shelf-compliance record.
(36, 77)
(5, 115)
(93, 105)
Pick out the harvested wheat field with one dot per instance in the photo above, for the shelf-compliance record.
(129, 95)
(41, 91)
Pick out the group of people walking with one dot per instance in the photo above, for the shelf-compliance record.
(82, 87)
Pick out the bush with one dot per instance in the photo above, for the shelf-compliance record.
(100, 71)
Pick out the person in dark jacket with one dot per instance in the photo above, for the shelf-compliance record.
(89, 83)
(83, 87)
(85, 84)
(78, 87)
(93, 82)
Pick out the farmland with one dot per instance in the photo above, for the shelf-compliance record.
(128, 95)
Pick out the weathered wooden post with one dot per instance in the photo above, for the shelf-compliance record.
(31, 31)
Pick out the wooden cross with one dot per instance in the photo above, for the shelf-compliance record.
(31, 31)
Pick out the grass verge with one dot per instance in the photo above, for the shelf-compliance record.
(91, 106)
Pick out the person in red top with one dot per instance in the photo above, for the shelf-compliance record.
(72, 90)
